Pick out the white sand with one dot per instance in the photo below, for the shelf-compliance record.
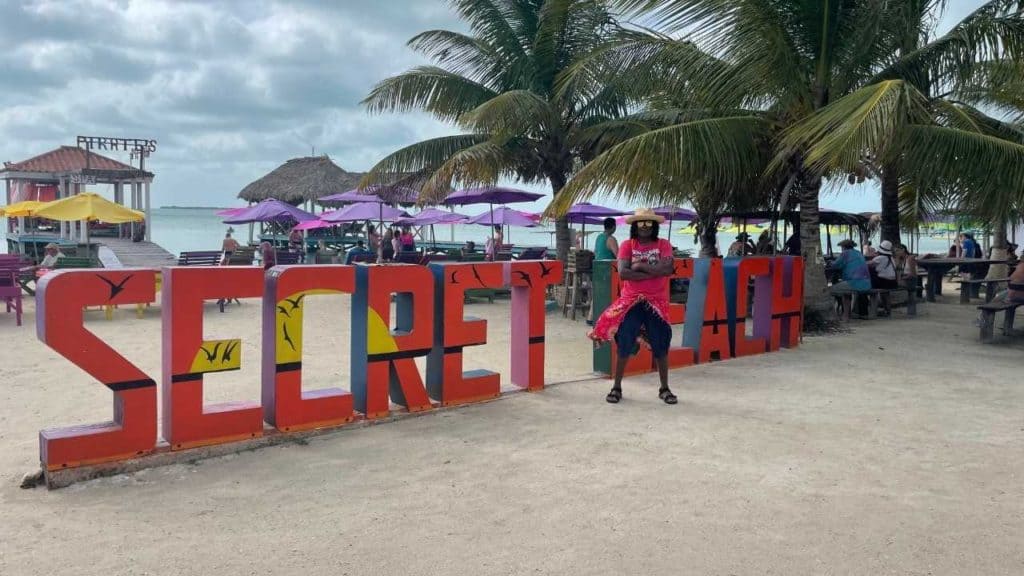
(898, 448)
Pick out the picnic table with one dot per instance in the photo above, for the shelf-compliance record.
(937, 268)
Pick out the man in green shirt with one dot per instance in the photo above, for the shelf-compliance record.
(607, 247)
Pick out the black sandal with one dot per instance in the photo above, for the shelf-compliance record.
(667, 396)
(614, 396)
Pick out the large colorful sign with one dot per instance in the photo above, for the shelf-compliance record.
(429, 322)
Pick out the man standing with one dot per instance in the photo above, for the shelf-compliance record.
(606, 247)
(640, 315)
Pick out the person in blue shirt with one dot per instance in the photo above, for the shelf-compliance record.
(856, 277)
(357, 250)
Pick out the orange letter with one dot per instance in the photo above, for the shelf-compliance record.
(446, 382)
(285, 405)
(60, 299)
(186, 357)
(383, 362)
(529, 281)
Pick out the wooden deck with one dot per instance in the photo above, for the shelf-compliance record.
(136, 254)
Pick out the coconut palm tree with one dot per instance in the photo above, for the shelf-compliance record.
(498, 85)
(917, 122)
(781, 62)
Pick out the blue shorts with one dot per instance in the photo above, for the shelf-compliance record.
(641, 318)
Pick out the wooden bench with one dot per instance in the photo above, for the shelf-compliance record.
(874, 298)
(988, 319)
(968, 288)
(74, 262)
(200, 258)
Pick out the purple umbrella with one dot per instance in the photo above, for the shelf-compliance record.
(586, 213)
(490, 195)
(673, 213)
(232, 211)
(376, 194)
(270, 210)
(314, 225)
(365, 211)
(431, 216)
(503, 216)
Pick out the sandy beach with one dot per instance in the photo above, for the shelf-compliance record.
(895, 448)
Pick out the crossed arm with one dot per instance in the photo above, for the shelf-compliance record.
(645, 271)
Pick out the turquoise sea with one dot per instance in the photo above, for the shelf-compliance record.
(184, 229)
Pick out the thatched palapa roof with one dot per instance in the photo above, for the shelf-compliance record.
(312, 177)
(301, 179)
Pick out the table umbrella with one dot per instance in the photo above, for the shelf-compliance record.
(585, 213)
(23, 208)
(232, 211)
(375, 194)
(503, 216)
(270, 210)
(88, 206)
(313, 225)
(490, 195)
(673, 213)
(430, 217)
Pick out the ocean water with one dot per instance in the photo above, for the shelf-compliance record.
(186, 229)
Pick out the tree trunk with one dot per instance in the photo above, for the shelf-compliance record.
(999, 235)
(708, 235)
(891, 204)
(562, 239)
(816, 299)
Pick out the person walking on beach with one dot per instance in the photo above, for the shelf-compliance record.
(640, 315)
(229, 245)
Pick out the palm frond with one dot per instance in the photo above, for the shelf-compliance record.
(444, 94)
(866, 122)
(722, 151)
(462, 54)
(989, 169)
(422, 157)
(513, 112)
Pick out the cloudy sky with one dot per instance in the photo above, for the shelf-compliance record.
(229, 88)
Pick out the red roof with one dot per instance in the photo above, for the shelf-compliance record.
(67, 159)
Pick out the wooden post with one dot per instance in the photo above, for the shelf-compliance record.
(149, 219)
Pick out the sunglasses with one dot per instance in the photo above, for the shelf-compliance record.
(645, 224)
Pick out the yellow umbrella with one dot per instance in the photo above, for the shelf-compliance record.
(88, 206)
(24, 208)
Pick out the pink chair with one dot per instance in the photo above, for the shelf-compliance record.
(10, 290)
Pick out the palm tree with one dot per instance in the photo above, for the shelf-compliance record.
(916, 123)
(782, 61)
(498, 85)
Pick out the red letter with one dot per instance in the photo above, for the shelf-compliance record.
(383, 362)
(186, 357)
(446, 382)
(680, 356)
(715, 335)
(760, 270)
(529, 281)
(285, 405)
(60, 300)
(787, 302)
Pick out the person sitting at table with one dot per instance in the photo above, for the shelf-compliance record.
(906, 265)
(741, 247)
(358, 250)
(268, 255)
(494, 243)
(883, 274)
(869, 251)
(388, 245)
(855, 276)
(53, 254)
(764, 244)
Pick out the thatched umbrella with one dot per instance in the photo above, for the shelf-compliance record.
(301, 180)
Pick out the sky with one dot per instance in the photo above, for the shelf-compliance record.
(230, 89)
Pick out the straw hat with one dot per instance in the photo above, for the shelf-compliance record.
(885, 248)
(51, 245)
(644, 214)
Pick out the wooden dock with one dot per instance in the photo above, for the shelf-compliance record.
(128, 254)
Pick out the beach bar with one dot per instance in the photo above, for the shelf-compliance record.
(65, 172)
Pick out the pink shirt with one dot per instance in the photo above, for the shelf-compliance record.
(634, 251)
